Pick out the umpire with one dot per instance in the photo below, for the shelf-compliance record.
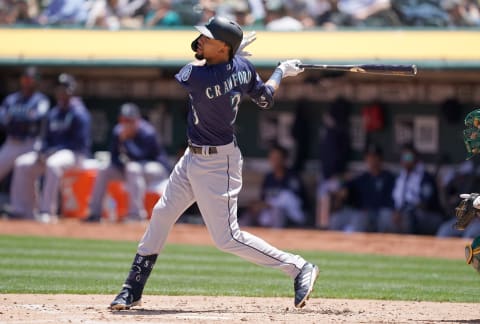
(137, 157)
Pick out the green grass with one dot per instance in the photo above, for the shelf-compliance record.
(54, 265)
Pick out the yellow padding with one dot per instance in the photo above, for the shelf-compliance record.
(319, 45)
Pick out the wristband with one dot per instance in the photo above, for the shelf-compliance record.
(277, 75)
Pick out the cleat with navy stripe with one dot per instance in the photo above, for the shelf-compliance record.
(304, 283)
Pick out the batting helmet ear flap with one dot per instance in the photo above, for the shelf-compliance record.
(194, 44)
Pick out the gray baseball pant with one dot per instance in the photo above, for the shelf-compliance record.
(11, 150)
(138, 176)
(214, 182)
(28, 169)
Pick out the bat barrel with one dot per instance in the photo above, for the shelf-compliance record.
(386, 69)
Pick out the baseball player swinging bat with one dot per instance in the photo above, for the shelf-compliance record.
(385, 69)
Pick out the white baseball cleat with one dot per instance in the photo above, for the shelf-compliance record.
(304, 283)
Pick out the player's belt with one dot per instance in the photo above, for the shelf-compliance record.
(203, 149)
(207, 150)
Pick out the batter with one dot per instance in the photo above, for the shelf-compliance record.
(210, 171)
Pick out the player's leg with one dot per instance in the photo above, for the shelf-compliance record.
(155, 174)
(104, 175)
(216, 183)
(177, 197)
(359, 221)
(55, 166)
(447, 229)
(291, 206)
(23, 188)
(339, 219)
(427, 222)
(136, 187)
(473, 229)
(9, 151)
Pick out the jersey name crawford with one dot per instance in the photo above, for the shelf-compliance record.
(235, 79)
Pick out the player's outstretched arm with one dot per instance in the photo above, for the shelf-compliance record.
(284, 69)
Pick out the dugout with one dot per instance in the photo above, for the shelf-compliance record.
(112, 67)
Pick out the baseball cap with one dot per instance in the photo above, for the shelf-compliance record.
(67, 81)
(31, 72)
(129, 110)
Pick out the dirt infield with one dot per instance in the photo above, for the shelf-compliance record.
(197, 309)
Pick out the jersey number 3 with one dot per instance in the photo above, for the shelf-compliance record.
(235, 102)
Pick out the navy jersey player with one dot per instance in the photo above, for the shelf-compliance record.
(137, 157)
(66, 144)
(22, 115)
(210, 171)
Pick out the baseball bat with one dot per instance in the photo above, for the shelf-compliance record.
(385, 69)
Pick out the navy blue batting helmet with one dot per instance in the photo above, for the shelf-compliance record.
(223, 29)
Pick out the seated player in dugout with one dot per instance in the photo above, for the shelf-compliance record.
(66, 143)
(468, 208)
(210, 171)
(415, 195)
(22, 117)
(282, 200)
(365, 201)
(136, 157)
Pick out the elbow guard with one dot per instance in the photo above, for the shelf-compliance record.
(265, 101)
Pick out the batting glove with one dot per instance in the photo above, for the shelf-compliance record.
(290, 68)
(247, 40)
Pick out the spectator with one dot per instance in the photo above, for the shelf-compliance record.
(257, 10)
(207, 9)
(462, 13)
(420, 13)
(160, 13)
(283, 200)
(330, 16)
(23, 14)
(7, 12)
(277, 18)
(22, 116)
(369, 12)
(334, 155)
(63, 12)
(241, 12)
(136, 157)
(302, 10)
(417, 205)
(115, 14)
(369, 195)
(66, 144)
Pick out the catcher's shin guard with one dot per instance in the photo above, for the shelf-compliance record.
(132, 289)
